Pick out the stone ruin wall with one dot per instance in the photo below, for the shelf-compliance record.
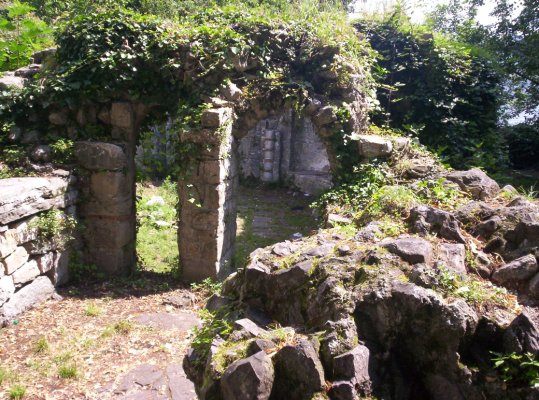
(105, 134)
(286, 149)
(31, 267)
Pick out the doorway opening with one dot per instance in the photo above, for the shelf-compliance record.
(156, 202)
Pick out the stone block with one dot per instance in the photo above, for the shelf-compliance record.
(110, 233)
(28, 71)
(41, 153)
(45, 262)
(452, 256)
(7, 288)
(371, 146)
(249, 379)
(111, 194)
(412, 250)
(36, 292)
(205, 220)
(15, 260)
(521, 269)
(197, 269)
(39, 57)
(26, 273)
(475, 182)
(231, 92)
(353, 365)
(400, 144)
(112, 261)
(59, 117)
(59, 274)
(216, 171)
(21, 197)
(97, 156)
(300, 364)
(216, 117)
(324, 116)
(313, 184)
(8, 244)
(24, 231)
(104, 115)
(8, 82)
(122, 115)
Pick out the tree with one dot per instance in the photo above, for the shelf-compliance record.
(20, 35)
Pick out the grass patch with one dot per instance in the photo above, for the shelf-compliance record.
(5, 375)
(41, 345)
(92, 310)
(62, 358)
(472, 290)
(17, 392)
(157, 246)
(68, 371)
(207, 287)
(123, 327)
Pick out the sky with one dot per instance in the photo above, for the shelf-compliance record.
(418, 12)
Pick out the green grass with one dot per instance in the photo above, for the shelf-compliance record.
(41, 345)
(92, 310)
(123, 327)
(68, 371)
(157, 247)
(285, 220)
(17, 392)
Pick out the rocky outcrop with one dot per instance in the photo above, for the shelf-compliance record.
(414, 316)
(475, 182)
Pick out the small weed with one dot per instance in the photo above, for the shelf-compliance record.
(391, 228)
(288, 261)
(108, 332)
(212, 324)
(87, 343)
(123, 327)
(17, 392)
(41, 345)
(472, 290)
(517, 368)
(229, 352)
(68, 371)
(529, 193)
(389, 200)
(62, 358)
(355, 190)
(207, 287)
(439, 193)
(92, 310)
(5, 375)
(55, 226)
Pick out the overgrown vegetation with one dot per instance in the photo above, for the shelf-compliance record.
(55, 228)
(157, 247)
(21, 33)
(517, 369)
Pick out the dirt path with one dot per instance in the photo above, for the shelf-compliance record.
(126, 339)
(121, 340)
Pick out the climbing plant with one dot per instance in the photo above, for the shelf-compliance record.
(439, 88)
(178, 66)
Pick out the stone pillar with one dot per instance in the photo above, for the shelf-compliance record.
(207, 228)
(107, 207)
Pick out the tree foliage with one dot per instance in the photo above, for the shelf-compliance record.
(439, 89)
(21, 34)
